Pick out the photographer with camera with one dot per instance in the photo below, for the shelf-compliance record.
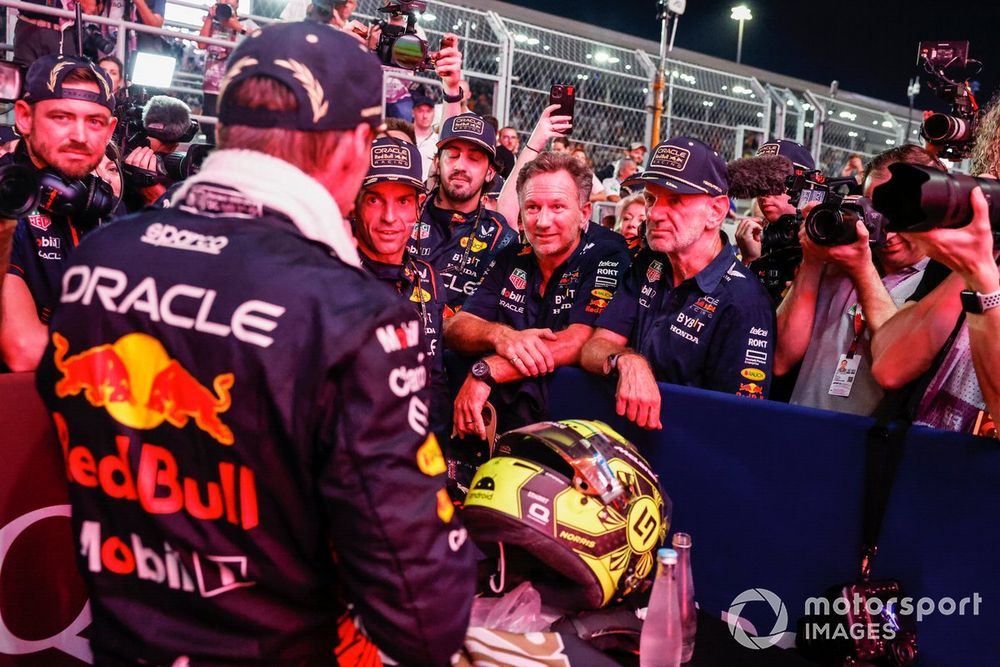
(944, 340)
(841, 296)
(37, 35)
(166, 122)
(772, 206)
(221, 22)
(65, 120)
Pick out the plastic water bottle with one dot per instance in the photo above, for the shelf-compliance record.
(660, 641)
(685, 594)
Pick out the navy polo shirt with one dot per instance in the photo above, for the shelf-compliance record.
(714, 330)
(460, 246)
(577, 293)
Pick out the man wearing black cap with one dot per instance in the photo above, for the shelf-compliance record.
(65, 120)
(538, 302)
(388, 206)
(690, 313)
(772, 207)
(257, 397)
(457, 234)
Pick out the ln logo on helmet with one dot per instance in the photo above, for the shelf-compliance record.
(643, 524)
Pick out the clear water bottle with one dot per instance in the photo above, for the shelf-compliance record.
(685, 594)
(660, 641)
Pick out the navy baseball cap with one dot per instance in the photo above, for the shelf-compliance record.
(45, 78)
(687, 166)
(472, 128)
(797, 153)
(394, 161)
(336, 80)
(422, 100)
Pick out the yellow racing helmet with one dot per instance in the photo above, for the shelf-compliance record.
(577, 497)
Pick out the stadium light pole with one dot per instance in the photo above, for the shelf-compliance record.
(742, 14)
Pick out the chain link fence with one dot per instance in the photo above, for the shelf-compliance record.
(842, 129)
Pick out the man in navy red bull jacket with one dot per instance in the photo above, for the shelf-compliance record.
(249, 484)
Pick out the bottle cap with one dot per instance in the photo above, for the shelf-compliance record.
(682, 541)
(666, 556)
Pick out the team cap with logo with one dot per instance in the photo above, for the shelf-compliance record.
(394, 161)
(46, 76)
(472, 128)
(687, 166)
(797, 153)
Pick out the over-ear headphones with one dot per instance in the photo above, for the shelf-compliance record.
(22, 188)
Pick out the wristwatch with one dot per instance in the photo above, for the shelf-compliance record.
(611, 363)
(977, 304)
(454, 98)
(481, 371)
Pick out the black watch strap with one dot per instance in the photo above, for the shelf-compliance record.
(454, 98)
(481, 371)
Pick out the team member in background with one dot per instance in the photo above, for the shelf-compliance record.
(690, 313)
(257, 396)
(388, 206)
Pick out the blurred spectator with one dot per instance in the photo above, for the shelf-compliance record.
(841, 296)
(37, 35)
(335, 12)
(612, 186)
(561, 144)
(630, 219)
(854, 167)
(110, 170)
(66, 122)
(597, 192)
(538, 303)
(224, 28)
(423, 130)
(637, 151)
(689, 313)
(510, 139)
(114, 68)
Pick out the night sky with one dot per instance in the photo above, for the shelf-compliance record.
(869, 47)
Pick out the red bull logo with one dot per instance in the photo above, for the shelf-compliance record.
(140, 386)
(753, 390)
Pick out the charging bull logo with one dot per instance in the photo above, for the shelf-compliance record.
(140, 386)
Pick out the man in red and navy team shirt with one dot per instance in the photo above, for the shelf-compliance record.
(538, 302)
(456, 233)
(690, 313)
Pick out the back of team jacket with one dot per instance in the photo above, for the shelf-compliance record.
(244, 420)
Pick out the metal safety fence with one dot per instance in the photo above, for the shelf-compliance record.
(510, 65)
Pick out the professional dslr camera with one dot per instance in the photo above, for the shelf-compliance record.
(399, 45)
(168, 120)
(947, 69)
(223, 13)
(832, 221)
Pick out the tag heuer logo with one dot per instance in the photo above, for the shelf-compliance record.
(654, 271)
(41, 221)
(468, 124)
(519, 279)
(670, 157)
(390, 156)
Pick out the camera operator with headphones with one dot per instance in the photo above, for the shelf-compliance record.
(65, 119)
(166, 122)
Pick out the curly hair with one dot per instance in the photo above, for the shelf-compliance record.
(986, 150)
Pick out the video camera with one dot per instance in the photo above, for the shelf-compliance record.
(947, 69)
(223, 13)
(400, 45)
(170, 167)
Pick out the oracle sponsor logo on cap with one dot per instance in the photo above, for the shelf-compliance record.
(468, 124)
(670, 157)
(390, 156)
(769, 149)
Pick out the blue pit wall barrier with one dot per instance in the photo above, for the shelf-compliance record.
(771, 495)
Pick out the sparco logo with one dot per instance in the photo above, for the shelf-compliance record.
(169, 236)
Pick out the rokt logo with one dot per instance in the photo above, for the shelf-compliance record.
(140, 386)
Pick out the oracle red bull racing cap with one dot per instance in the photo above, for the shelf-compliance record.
(687, 166)
(394, 161)
(797, 153)
(472, 128)
(46, 76)
(336, 81)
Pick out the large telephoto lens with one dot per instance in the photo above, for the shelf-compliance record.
(940, 127)
(918, 198)
(830, 225)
